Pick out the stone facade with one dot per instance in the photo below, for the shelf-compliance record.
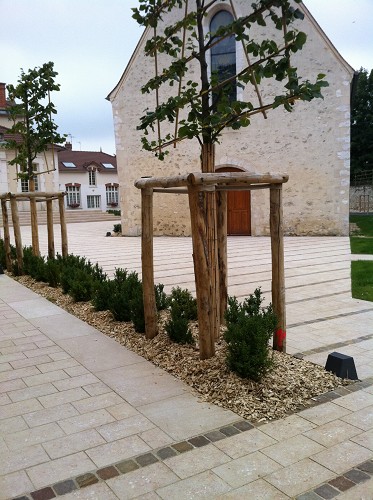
(311, 144)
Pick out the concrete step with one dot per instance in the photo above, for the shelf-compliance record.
(72, 216)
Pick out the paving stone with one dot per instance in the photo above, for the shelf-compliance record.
(199, 441)
(229, 430)
(62, 397)
(127, 466)
(166, 453)
(86, 480)
(357, 476)
(43, 494)
(308, 496)
(326, 491)
(146, 459)
(366, 466)
(114, 451)
(55, 471)
(182, 446)
(44, 378)
(19, 408)
(107, 472)
(243, 425)
(15, 484)
(342, 483)
(64, 487)
(215, 436)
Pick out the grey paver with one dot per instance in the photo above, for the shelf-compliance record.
(102, 418)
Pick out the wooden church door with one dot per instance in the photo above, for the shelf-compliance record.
(239, 209)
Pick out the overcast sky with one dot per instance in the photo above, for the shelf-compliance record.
(91, 41)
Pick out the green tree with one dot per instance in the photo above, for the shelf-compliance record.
(208, 105)
(31, 111)
(362, 124)
(33, 127)
(207, 101)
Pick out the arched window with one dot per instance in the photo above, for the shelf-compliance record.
(223, 54)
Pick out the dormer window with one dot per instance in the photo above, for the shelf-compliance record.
(223, 54)
(92, 177)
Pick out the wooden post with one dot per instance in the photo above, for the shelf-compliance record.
(64, 244)
(150, 308)
(8, 260)
(221, 204)
(51, 253)
(208, 166)
(202, 273)
(17, 232)
(34, 220)
(278, 272)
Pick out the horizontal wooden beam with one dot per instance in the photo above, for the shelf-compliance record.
(29, 195)
(236, 178)
(205, 179)
(171, 190)
(245, 187)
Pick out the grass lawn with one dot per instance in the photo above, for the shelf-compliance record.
(362, 271)
(361, 245)
(364, 223)
(362, 279)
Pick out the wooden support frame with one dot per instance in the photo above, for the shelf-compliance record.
(33, 197)
(4, 210)
(64, 241)
(278, 268)
(51, 253)
(209, 236)
(150, 308)
(17, 232)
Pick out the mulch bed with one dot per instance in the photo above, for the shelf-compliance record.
(289, 387)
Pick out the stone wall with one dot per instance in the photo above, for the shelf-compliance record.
(311, 144)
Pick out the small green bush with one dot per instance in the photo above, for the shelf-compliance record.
(137, 309)
(161, 299)
(114, 212)
(53, 272)
(81, 286)
(34, 265)
(2, 254)
(124, 291)
(102, 295)
(185, 303)
(249, 329)
(117, 228)
(177, 327)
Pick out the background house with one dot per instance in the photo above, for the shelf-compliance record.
(311, 144)
(90, 179)
(46, 174)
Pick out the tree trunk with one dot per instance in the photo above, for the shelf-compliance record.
(208, 165)
(221, 202)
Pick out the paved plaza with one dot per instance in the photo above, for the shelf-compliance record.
(83, 417)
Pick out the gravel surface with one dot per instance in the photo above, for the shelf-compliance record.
(289, 387)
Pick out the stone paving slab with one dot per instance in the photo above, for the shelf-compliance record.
(72, 414)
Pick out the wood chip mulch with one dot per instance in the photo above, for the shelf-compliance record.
(289, 387)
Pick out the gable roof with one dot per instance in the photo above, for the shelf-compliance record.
(301, 6)
(80, 160)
